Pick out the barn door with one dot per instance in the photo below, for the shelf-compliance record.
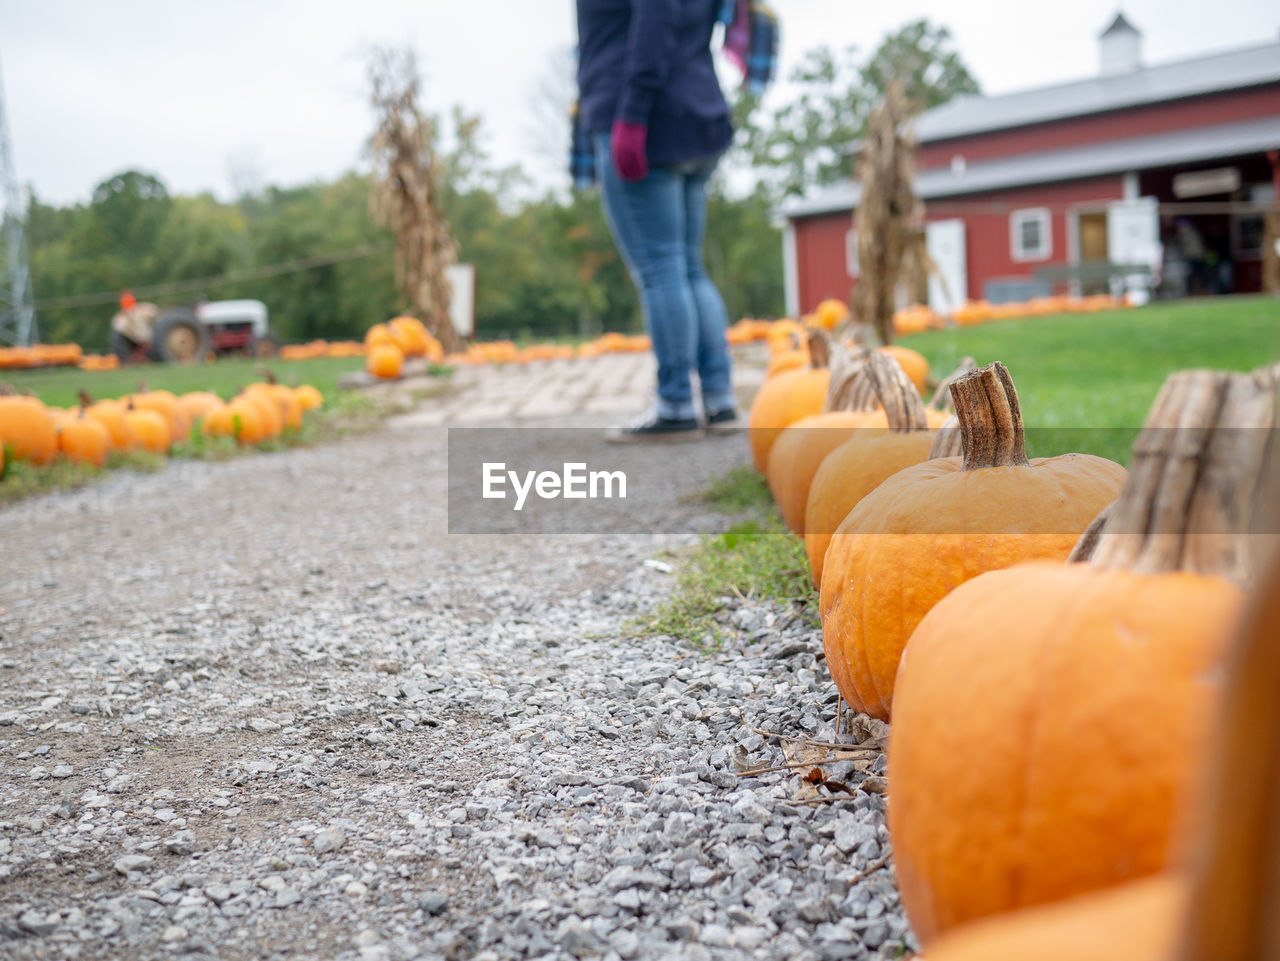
(949, 286)
(1133, 238)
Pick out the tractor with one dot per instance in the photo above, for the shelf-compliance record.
(186, 335)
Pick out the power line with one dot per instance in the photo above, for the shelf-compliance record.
(221, 280)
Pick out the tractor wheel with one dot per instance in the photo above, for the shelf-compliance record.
(122, 346)
(179, 338)
(265, 346)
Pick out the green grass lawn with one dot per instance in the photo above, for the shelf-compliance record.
(57, 386)
(1086, 381)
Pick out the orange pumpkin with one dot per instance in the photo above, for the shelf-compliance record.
(270, 416)
(1042, 663)
(197, 405)
(110, 414)
(786, 360)
(785, 399)
(149, 428)
(1125, 647)
(913, 363)
(930, 527)
(1135, 922)
(309, 397)
(831, 313)
(165, 403)
(1221, 902)
(385, 361)
(83, 440)
(27, 429)
(800, 450)
(856, 467)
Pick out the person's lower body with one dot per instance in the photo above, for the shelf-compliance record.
(659, 223)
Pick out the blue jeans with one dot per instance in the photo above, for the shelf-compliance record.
(659, 223)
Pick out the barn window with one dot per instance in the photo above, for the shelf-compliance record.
(1030, 234)
(851, 253)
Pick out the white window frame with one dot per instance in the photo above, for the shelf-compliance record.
(1017, 218)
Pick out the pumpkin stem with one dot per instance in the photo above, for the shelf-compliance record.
(949, 442)
(85, 399)
(896, 394)
(1232, 913)
(941, 399)
(991, 428)
(1196, 484)
(819, 348)
(849, 387)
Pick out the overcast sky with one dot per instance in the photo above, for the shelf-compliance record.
(192, 92)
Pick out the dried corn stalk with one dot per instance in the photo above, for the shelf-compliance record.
(889, 221)
(405, 197)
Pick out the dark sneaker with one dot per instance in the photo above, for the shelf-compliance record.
(724, 420)
(654, 429)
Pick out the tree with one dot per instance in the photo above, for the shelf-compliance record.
(809, 141)
(406, 197)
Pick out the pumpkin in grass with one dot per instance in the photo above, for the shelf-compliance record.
(164, 403)
(28, 430)
(309, 397)
(83, 440)
(855, 468)
(930, 527)
(1220, 901)
(286, 403)
(1124, 649)
(912, 362)
(385, 361)
(270, 416)
(110, 414)
(197, 405)
(149, 428)
(786, 398)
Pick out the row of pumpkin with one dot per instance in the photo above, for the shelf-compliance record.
(1049, 720)
(151, 420)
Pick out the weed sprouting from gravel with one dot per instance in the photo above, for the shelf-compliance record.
(755, 558)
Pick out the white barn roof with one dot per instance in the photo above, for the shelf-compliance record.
(1232, 70)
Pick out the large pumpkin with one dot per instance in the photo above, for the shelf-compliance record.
(1221, 903)
(28, 430)
(786, 398)
(930, 527)
(1124, 650)
(859, 465)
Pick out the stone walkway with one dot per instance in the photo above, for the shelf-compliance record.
(611, 387)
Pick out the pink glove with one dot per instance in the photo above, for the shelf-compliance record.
(627, 144)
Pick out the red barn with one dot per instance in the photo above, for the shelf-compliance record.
(1164, 166)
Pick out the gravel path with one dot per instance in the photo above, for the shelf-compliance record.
(269, 708)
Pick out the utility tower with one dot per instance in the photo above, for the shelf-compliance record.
(17, 312)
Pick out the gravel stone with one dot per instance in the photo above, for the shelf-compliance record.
(346, 733)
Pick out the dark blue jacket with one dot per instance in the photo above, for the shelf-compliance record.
(649, 62)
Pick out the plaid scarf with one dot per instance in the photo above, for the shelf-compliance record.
(751, 41)
(582, 158)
